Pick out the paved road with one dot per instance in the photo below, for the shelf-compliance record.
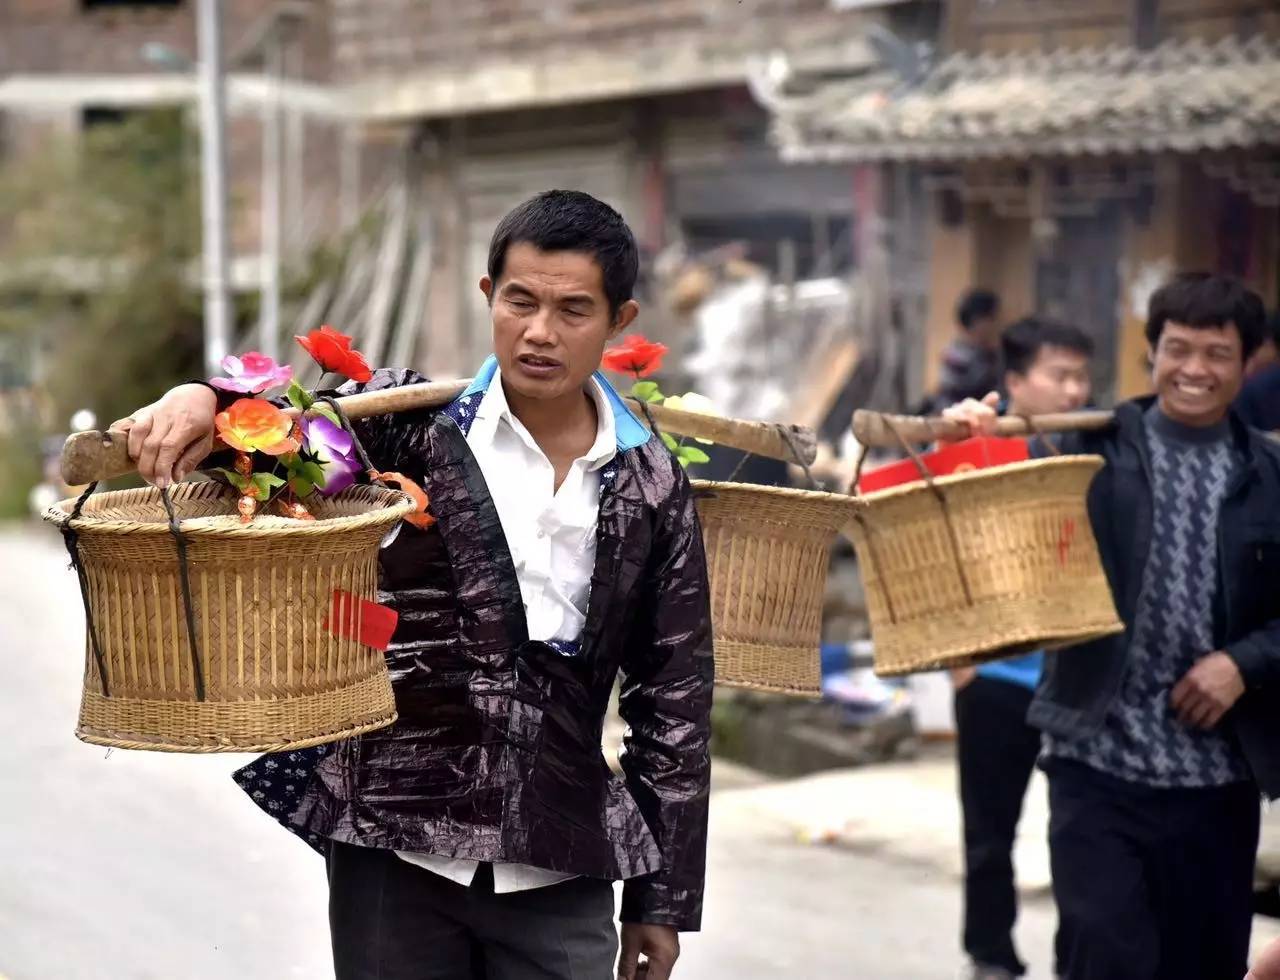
(133, 865)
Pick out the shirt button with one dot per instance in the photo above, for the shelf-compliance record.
(542, 534)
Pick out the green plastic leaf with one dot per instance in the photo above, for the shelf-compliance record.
(312, 472)
(301, 486)
(265, 483)
(646, 391)
(298, 396)
(692, 454)
(684, 463)
(322, 408)
(669, 441)
(235, 479)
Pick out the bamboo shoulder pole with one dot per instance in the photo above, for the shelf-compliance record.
(89, 456)
(879, 430)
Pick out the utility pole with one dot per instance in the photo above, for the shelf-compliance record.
(269, 315)
(213, 186)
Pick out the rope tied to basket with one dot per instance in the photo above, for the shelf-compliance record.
(785, 434)
(184, 578)
(71, 538)
(345, 422)
(953, 539)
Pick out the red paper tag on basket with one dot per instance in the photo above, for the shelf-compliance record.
(361, 620)
(972, 454)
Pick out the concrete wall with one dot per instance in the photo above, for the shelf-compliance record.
(432, 59)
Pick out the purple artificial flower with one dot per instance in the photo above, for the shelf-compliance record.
(252, 374)
(334, 450)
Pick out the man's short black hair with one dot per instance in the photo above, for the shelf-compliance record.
(976, 304)
(1201, 299)
(1021, 342)
(571, 221)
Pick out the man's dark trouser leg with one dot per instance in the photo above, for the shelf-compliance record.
(1150, 884)
(1203, 877)
(997, 751)
(562, 932)
(392, 920)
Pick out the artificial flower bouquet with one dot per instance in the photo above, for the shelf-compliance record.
(283, 460)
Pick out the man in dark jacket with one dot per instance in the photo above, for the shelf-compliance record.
(1259, 401)
(1046, 366)
(480, 834)
(1159, 740)
(970, 363)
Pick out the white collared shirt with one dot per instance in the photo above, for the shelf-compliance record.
(552, 538)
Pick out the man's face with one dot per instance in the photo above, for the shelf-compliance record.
(1197, 372)
(551, 320)
(1057, 381)
(985, 331)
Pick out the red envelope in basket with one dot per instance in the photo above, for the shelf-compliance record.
(972, 454)
(361, 620)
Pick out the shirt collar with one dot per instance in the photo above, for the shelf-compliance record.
(629, 431)
(494, 409)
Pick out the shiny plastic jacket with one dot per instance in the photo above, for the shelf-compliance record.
(497, 752)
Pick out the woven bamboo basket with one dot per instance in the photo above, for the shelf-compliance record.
(266, 673)
(982, 565)
(767, 555)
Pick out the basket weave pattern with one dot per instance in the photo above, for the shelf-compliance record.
(767, 558)
(274, 676)
(1017, 570)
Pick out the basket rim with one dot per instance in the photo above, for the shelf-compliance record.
(1089, 461)
(391, 506)
(782, 493)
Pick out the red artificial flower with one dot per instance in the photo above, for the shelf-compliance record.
(332, 351)
(635, 355)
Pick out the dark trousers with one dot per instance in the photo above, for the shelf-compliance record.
(1151, 884)
(392, 920)
(997, 751)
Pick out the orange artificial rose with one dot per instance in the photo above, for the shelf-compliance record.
(253, 425)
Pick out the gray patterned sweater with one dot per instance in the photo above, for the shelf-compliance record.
(1142, 740)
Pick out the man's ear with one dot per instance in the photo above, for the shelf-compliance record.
(626, 315)
(486, 287)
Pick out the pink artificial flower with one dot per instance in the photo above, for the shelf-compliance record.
(252, 374)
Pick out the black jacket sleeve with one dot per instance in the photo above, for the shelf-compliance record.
(668, 672)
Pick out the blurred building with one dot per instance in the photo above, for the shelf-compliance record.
(1071, 155)
(444, 116)
(69, 65)
(646, 105)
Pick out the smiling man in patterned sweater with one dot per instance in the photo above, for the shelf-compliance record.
(1159, 740)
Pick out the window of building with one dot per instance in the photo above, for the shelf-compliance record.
(94, 116)
(124, 4)
(819, 244)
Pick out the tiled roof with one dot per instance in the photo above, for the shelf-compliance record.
(1178, 96)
